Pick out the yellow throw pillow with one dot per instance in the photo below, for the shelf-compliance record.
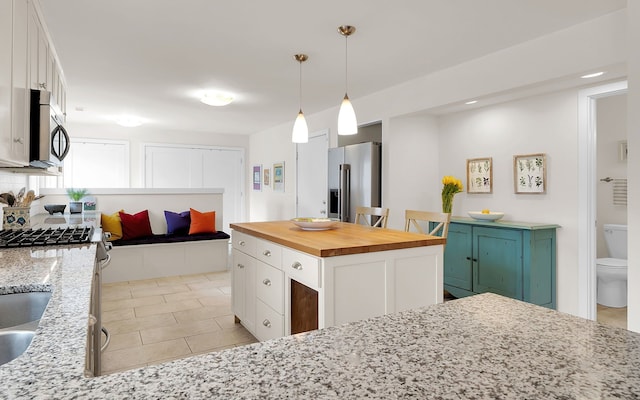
(111, 223)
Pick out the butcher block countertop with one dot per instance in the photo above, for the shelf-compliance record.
(343, 239)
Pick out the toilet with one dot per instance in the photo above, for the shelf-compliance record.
(612, 271)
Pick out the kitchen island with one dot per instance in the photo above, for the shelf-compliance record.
(484, 346)
(289, 280)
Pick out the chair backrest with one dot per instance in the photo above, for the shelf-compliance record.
(411, 217)
(362, 214)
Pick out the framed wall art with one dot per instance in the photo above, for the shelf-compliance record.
(530, 173)
(278, 177)
(266, 177)
(480, 175)
(257, 177)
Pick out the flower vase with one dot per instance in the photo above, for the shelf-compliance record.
(447, 202)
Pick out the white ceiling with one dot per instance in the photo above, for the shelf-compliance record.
(151, 58)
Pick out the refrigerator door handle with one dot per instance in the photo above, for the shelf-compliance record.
(345, 192)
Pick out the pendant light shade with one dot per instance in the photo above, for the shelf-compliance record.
(347, 122)
(300, 132)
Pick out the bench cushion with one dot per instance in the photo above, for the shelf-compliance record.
(153, 239)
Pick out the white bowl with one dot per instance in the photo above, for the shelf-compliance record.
(314, 224)
(492, 216)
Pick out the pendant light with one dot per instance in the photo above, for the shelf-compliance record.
(300, 129)
(347, 123)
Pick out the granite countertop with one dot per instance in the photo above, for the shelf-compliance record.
(343, 239)
(484, 346)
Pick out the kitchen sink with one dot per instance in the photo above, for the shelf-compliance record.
(13, 344)
(22, 308)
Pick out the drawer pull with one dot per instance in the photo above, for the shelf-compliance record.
(266, 323)
(297, 265)
(266, 282)
(267, 253)
(240, 265)
(241, 243)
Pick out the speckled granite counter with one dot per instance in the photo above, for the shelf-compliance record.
(483, 347)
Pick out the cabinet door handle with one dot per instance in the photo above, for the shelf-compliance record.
(297, 265)
(267, 253)
(266, 282)
(241, 243)
(266, 323)
(468, 258)
(240, 265)
(472, 259)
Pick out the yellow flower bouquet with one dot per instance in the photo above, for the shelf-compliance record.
(450, 186)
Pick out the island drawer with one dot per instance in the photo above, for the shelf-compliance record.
(269, 286)
(269, 252)
(244, 243)
(302, 267)
(269, 324)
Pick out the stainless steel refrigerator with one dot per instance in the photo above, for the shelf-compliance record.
(354, 179)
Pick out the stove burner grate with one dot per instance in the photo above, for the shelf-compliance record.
(45, 237)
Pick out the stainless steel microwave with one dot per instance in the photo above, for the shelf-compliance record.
(49, 141)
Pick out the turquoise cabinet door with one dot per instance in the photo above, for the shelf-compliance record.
(497, 261)
(457, 257)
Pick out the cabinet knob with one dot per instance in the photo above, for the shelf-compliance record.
(241, 243)
(266, 323)
(240, 265)
(297, 265)
(266, 282)
(92, 320)
(18, 140)
(42, 85)
(267, 253)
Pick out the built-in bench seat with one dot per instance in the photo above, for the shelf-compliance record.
(160, 255)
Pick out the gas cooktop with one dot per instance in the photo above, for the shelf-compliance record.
(45, 237)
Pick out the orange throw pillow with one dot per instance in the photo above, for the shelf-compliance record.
(202, 222)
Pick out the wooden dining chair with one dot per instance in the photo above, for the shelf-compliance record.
(411, 217)
(365, 216)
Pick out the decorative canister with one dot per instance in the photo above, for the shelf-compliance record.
(16, 218)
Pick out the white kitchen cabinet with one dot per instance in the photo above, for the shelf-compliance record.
(14, 97)
(243, 280)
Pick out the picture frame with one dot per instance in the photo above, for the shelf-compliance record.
(257, 177)
(480, 175)
(530, 173)
(266, 173)
(278, 177)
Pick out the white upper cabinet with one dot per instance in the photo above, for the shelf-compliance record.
(27, 61)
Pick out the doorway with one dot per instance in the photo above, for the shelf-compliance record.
(587, 195)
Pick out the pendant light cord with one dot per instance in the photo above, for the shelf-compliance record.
(300, 81)
(346, 64)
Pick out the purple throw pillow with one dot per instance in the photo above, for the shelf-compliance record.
(178, 224)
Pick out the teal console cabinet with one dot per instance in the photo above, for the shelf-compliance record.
(513, 259)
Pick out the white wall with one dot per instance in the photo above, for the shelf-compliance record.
(529, 123)
(541, 124)
(633, 138)
(611, 117)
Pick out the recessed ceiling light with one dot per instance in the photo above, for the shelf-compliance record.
(592, 75)
(471, 102)
(128, 121)
(217, 99)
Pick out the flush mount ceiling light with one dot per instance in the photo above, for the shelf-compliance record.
(129, 121)
(300, 132)
(347, 123)
(217, 99)
(595, 74)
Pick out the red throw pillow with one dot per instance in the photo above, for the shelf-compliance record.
(136, 225)
(202, 222)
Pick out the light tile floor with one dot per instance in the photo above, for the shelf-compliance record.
(158, 320)
(612, 316)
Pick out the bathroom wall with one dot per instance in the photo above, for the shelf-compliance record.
(611, 129)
